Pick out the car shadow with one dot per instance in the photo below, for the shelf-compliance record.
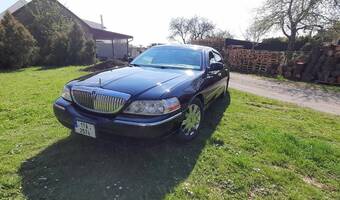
(8, 71)
(119, 168)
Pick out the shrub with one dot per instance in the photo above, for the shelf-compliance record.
(17, 45)
(71, 48)
(76, 45)
(61, 39)
(89, 54)
(58, 53)
(46, 21)
(301, 41)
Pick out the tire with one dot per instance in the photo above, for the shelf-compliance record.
(191, 124)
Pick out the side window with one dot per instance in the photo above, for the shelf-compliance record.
(211, 58)
(218, 58)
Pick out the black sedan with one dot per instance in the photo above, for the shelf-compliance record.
(163, 91)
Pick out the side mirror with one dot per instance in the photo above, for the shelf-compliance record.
(130, 60)
(216, 66)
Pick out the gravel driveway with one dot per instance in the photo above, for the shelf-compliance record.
(302, 94)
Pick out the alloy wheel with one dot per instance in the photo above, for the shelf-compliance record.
(192, 120)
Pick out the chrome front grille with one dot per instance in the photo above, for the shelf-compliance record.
(99, 100)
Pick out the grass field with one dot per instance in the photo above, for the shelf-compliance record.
(249, 148)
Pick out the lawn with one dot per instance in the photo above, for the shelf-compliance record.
(249, 148)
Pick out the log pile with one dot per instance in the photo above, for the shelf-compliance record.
(253, 61)
(321, 65)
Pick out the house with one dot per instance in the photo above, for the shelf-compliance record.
(109, 45)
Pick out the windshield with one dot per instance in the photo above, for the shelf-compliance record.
(170, 57)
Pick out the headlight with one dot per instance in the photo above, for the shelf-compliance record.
(153, 107)
(66, 94)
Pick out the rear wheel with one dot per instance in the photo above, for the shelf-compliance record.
(192, 121)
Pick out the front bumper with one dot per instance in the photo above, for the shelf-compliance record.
(67, 114)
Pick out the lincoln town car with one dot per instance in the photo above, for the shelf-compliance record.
(164, 91)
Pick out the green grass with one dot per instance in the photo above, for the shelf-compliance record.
(252, 147)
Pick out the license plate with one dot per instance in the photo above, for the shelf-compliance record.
(85, 128)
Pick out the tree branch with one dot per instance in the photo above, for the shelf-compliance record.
(283, 28)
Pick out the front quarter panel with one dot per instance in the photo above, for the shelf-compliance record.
(186, 91)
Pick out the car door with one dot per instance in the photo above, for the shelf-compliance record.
(212, 79)
(221, 74)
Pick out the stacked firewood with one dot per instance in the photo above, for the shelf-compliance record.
(253, 61)
(322, 65)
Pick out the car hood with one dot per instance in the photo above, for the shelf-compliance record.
(138, 80)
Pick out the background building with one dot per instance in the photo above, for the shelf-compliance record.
(109, 45)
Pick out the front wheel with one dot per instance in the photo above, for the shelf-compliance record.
(192, 121)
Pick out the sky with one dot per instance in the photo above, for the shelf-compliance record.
(148, 20)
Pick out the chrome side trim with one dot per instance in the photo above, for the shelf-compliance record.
(60, 107)
(146, 124)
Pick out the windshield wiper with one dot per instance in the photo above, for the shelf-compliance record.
(162, 66)
(135, 65)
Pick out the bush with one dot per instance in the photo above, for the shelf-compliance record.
(301, 41)
(46, 21)
(17, 45)
(71, 48)
(58, 53)
(61, 39)
(89, 54)
(76, 45)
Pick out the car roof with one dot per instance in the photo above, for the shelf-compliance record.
(185, 46)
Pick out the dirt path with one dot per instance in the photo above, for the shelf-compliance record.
(302, 94)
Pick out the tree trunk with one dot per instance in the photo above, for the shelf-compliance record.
(183, 39)
(291, 44)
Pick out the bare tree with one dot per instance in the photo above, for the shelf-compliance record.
(254, 33)
(293, 16)
(219, 33)
(179, 28)
(200, 28)
(190, 29)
